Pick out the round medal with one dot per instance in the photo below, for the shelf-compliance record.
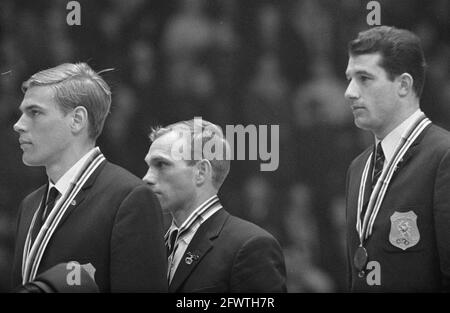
(360, 258)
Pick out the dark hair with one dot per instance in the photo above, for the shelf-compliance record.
(401, 52)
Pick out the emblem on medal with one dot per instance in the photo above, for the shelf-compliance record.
(404, 232)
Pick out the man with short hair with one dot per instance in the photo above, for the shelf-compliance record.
(91, 212)
(398, 199)
(209, 250)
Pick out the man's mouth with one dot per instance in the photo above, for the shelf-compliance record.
(24, 142)
(357, 107)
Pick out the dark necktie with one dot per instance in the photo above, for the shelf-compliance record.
(50, 203)
(44, 211)
(171, 241)
(378, 166)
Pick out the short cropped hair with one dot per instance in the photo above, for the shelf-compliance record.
(401, 52)
(201, 133)
(77, 85)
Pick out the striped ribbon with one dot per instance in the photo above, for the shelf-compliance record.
(33, 252)
(209, 205)
(365, 228)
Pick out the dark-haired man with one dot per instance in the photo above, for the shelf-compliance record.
(398, 199)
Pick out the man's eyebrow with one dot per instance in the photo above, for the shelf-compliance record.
(28, 107)
(358, 72)
(364, 72)
(158, 158)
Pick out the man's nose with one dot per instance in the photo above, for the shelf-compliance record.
(19, 126)
(351, 93)
(149, 178)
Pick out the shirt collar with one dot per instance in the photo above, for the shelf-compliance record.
(390, 142)
(191, 216)
(63, 184)
(172, 227)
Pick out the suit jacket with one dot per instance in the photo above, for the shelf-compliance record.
(420, 184)
(115, 223)
(228, 254)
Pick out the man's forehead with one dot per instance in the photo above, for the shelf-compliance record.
(40, 92)
(364, 61)
(38, 95)
(161, 146)
(167, 139)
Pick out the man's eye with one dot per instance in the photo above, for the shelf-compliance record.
(35, 112)
(364, 78)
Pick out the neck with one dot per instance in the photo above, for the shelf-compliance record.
(71, 156)
(180, 216)
(396, 121)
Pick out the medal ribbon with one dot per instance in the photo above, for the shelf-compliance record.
(212, 204)
(376, 198)
(33, 253)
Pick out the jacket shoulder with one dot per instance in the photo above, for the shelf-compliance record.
(119, 178)
(437, 138)
(244, 230)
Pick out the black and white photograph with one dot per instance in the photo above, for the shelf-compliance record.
(243, 149)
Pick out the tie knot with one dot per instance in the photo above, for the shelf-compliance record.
(379, 152)
(53, 193)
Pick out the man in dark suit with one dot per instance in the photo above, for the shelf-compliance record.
(209, 250)
(398, 190)
(91, 211)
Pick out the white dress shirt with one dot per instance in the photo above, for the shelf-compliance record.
(391, 141)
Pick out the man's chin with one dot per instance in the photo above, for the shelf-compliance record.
(29, 161)
(162, 203)
(362, 124)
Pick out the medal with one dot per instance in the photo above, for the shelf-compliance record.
(360, 259)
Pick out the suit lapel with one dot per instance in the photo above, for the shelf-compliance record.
(34, 204)
(28, 212)
(411, 151)
(368, 182)
(407, 157)
(200, 245)
(39, 211)
(82, 193)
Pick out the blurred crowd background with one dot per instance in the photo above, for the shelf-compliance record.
(231, 62)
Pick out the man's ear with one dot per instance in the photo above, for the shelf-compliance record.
(79, 119)
(203, 172)
(405, 84)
